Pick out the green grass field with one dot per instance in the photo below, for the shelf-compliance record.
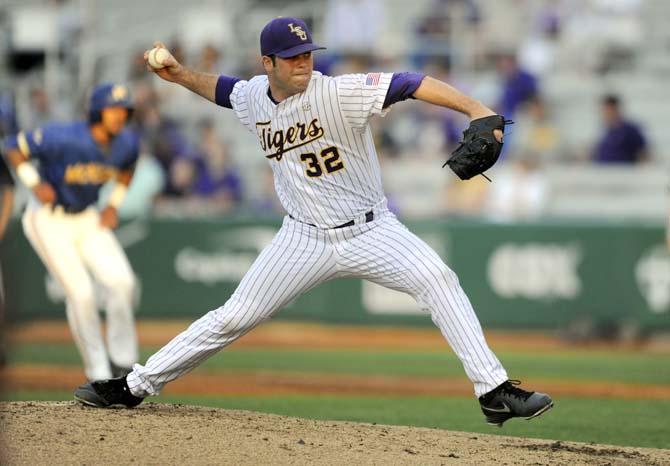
(636, 422)
(592, 365)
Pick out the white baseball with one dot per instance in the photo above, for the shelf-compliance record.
(157, 57)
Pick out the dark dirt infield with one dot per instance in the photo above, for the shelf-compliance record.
(67, 433)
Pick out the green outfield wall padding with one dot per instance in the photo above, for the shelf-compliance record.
(532, 275)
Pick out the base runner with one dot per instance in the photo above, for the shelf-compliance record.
(73, 239)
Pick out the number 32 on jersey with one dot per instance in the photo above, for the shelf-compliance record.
(328, 161)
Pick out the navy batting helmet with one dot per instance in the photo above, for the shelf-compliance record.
(108, 95)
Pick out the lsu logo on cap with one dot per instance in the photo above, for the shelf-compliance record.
(119, 93)
(298, 31)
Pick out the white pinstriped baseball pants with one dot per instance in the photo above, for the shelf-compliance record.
(299, 258)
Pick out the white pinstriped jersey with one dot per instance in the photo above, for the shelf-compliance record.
(319, 144)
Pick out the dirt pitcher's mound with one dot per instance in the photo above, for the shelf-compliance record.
(67, 433)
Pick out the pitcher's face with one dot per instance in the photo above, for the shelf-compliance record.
(291, 75)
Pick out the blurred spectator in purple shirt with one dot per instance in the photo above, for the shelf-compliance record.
(215, 177)
(163, 138)
(622, 141)
(518, 86)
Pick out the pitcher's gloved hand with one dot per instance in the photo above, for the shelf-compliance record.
(479, 149)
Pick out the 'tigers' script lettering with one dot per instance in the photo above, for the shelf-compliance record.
(280, 141)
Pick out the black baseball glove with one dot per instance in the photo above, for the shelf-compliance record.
(479, 149)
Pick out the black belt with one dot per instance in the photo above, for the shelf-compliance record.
(369, 216)
(69, 209)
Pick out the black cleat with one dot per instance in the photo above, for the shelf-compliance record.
(508, 401)
(107, 394)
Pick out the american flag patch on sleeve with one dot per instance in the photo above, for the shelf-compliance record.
(372, 79)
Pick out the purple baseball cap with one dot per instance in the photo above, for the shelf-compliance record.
(286, 38)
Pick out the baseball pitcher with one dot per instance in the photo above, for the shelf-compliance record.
(65, 165)
(314, 132)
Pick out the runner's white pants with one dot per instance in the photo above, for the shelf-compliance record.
(299, 258)
(71, 246)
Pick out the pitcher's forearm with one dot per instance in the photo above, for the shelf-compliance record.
(203, 84)
(440, 93)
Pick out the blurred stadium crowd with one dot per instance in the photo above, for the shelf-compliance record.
(584, 81)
